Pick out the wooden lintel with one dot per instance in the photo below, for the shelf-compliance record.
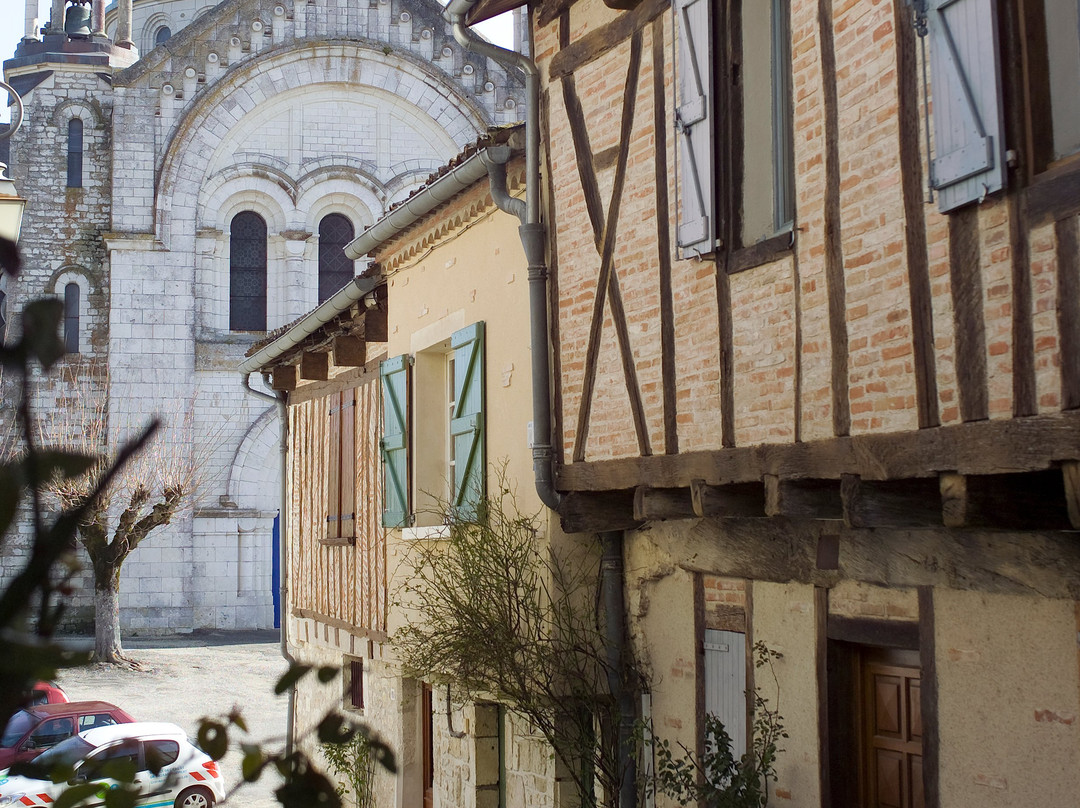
(1032, 501)
(600, 40)
(995, 446)
(891, 503)
(376, 327)
(662, 503)
(1070, 471)
(593, 513)
(736, 500)
(315, 366)
(349, 352)
(802, 499)
(285, 377)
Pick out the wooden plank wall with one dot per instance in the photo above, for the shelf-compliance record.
(346, 583)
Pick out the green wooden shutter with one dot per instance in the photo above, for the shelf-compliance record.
(467, 423)
(395, 440)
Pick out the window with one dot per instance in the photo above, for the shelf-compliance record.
(75, 154)
(72, 294)
(247, 273)
(1051, 62)
(162, 35)
(97, 720)
(335, 269)
(116, 762)
(160, 753)
(440, 450)
(735, 123)
(341, 467)
(51, 732)
(354, 684)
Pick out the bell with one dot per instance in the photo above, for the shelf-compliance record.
(77, 21)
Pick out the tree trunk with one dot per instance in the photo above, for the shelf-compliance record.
(107, 646)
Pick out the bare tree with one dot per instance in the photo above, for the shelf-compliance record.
(148, 494)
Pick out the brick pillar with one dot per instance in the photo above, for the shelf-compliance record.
(97, 17)
(30, 31)
(56, 21)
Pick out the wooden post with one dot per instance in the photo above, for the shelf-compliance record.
(1070, 470)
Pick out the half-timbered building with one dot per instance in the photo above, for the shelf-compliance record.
(403, 392)
(815, 314)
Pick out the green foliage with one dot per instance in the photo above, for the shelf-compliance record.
(353, 762)
(499, 616)
(718, 779)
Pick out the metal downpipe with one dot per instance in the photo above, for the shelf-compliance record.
(533, 239)
(279, 402)
(611, 571)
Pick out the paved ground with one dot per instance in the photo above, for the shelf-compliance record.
(190, 676)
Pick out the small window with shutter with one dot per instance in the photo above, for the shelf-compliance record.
(341, 468)
(354, 683)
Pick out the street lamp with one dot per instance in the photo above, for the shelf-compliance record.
(11, 204)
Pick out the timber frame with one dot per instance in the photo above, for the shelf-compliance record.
(1018, 473)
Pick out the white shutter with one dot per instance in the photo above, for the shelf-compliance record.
(695, 122)
(969, 146)
(725, 684)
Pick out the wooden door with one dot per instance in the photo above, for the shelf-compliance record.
(893, 739)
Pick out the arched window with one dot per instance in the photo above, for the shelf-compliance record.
(335, 270)
(71, 317)
(163, 33)
(247, 273)
(75, 153)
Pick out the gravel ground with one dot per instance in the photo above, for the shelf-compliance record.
(187, 677)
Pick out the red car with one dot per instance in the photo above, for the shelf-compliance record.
(46, 693)
(33, 730)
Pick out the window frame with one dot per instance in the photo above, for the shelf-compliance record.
(248, 313)
(76, 143)
(72, 303)
(333, 263)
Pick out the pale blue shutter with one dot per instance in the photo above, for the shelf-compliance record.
(467, 423)
(395, 440)
(695, 122)
(969, 144)
(725, 684)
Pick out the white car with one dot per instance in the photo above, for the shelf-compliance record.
(170, 771)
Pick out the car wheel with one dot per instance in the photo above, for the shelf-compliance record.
(194, 797)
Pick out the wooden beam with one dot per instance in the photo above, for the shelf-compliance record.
(1031, 501)
(740, 499)
(285, 377)
(986, 447)
(350, 352)
(593, 513)
(890, 503)
(600, 40)
(802, 499)
(662, 503)
(1070, 471)
(870, 631)
(315, 366)
(376, 327)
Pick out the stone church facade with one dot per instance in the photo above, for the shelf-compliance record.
(193, 171)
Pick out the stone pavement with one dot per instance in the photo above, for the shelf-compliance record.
(186, 677)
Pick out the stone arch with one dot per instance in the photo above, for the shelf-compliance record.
(58, 286)
(90, 114)
(356, 201)
(254, 474)
(206, 124)
(154, 23)
(227, 193)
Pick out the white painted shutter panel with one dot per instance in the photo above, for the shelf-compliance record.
(695, 121)
(969, 144)
(725, 684)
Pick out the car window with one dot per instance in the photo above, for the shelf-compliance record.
(64, 754)
(50, 732)
(116, 762)
(97, 720)
(17, 726)
(160, 753)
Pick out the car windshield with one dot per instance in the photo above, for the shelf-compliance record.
(64, 755)
(16, 727)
